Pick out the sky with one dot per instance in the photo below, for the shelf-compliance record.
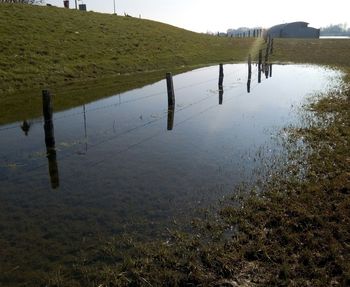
(220, 15)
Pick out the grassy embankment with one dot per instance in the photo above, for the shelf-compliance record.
(85, 56)
(295, 232)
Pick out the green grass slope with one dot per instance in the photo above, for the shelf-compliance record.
(44, 45)
(48, 47)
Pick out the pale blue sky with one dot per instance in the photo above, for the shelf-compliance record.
(220, 15)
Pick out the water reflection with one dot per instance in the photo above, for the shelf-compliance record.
(171, 115)
(266, 67)
(25, 127)
(137, 177)
(221, 95)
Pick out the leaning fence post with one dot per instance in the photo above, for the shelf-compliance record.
(170, 87)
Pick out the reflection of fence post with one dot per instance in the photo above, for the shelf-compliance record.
(50, 139)
(221, 96)
(171, 114)
(171, 93)
(259, 76)
(266, 71)
(270, 70)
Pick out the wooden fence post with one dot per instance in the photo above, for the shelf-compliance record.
(250, 64)
(50, 139)
(271, 47)
(170, 87)
(221, 76)
(260, 59)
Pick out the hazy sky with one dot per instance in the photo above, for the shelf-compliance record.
(220, 15)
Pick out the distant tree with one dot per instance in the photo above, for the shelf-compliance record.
(335, 30)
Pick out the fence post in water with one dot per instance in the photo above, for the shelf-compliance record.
(260, 59)
(47, 105)
(221, 79)
(47, 112)
(249, 72)
(221, 76)
(271, 47)
(249, 64)
(270, 70)
(171, 93)
(267, 53)
(50, 139)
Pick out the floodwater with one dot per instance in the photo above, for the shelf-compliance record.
(127, 164)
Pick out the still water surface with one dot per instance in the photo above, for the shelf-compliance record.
(125, 164)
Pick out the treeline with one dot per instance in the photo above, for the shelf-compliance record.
(335, 30)
(23, 1)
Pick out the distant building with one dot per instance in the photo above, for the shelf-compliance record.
(293, 30)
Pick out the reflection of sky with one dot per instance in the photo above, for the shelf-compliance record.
(126, 146)
(127, 172)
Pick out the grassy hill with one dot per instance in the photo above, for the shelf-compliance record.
(54, 47)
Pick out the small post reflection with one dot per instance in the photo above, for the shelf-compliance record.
(25, 127)
(266, 68)
(270, 70)
(50, 140)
